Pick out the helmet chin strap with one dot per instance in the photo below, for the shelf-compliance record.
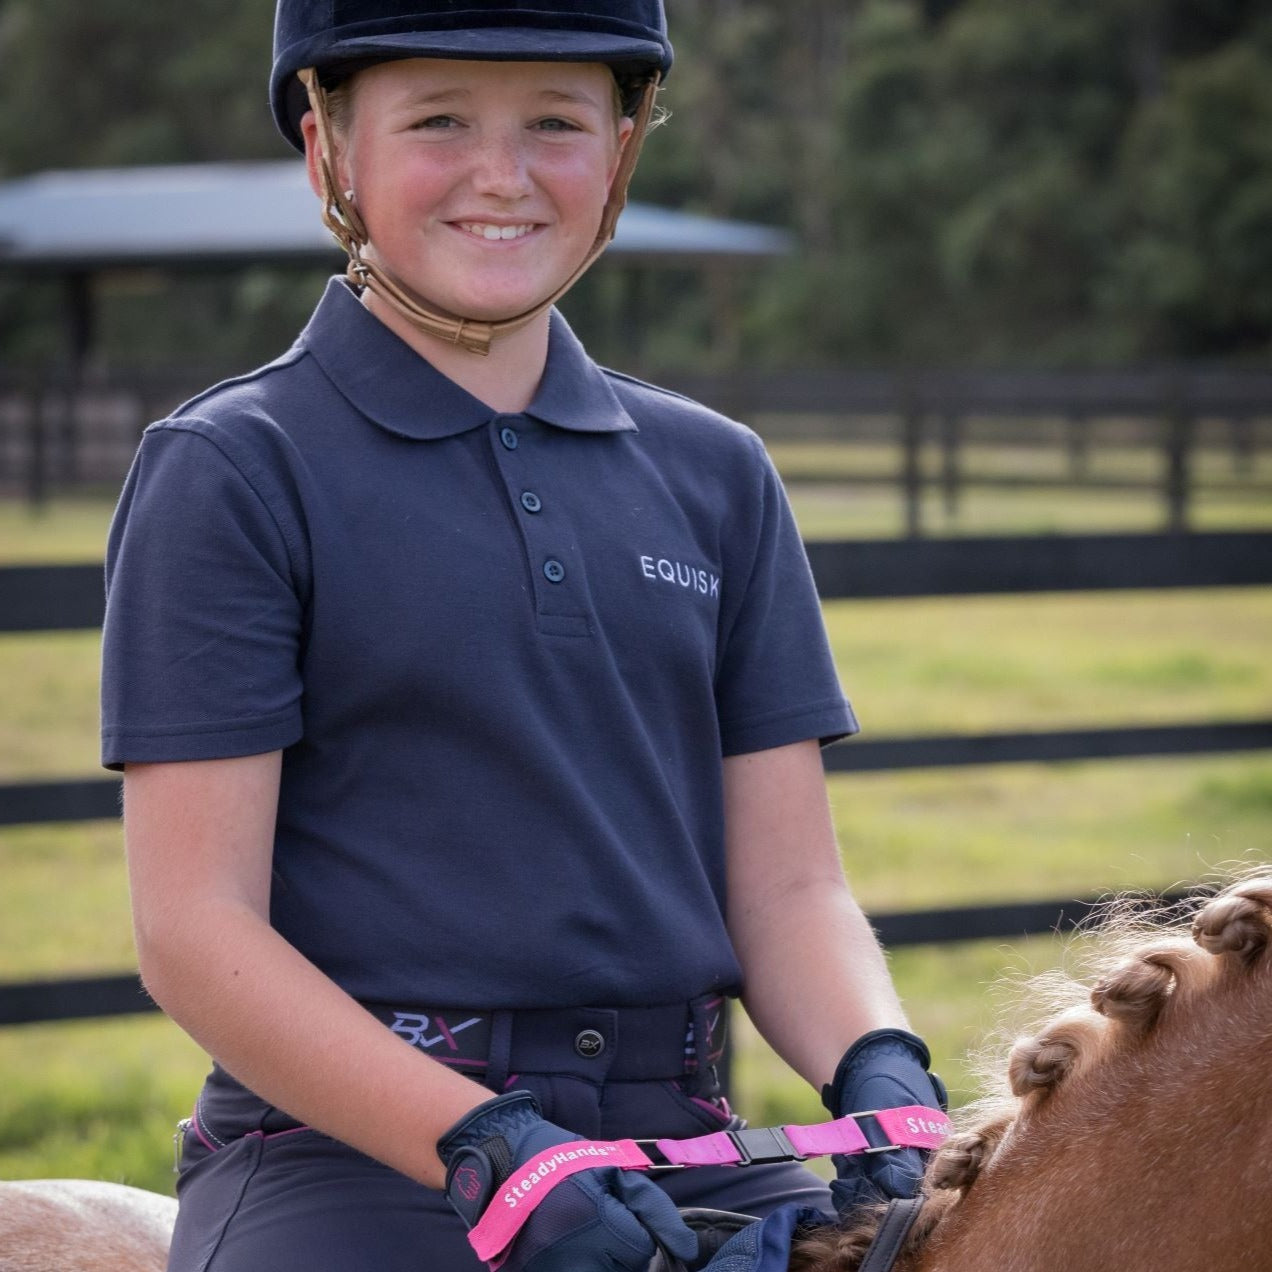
(342, 219)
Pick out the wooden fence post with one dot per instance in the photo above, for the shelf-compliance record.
(912, 460)
(1179, 430)
(37, 481)
(1242, 431)
(1079, 444)
(951, 442)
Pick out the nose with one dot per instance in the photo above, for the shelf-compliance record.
(501, 168)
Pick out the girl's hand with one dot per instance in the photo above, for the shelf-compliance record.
(599, 1218)
(887, 1068)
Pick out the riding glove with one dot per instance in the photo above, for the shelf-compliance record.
(602, 1218)
(884, 1069)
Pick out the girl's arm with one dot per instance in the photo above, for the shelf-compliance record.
(816, 979)
(199, 839)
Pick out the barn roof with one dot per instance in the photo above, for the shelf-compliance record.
(228, 214)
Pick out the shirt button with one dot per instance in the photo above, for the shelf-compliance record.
(531, 502)
(509, 438)
(553, 570)
(589, 1044)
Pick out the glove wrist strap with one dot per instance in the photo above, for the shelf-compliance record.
(530, 1183)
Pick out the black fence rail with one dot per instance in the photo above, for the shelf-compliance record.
(70, 597)
(876, 568)
(92, 997)
(1174, 411)
(42, 598)
(95, 798)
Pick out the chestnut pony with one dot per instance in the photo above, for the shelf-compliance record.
(1140, 1134)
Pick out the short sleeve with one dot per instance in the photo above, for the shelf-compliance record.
(776, 681)
(204, 612)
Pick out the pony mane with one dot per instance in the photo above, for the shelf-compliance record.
(1148, 965)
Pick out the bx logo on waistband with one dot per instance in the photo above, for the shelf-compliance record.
(415, 1029)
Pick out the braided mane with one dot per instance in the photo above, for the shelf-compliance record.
(1097, 1156)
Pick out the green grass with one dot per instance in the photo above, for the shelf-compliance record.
(828, 511)
(48, 721)
(65, 907)
(95, 1099)
(99, 1098)
(956, 837)
(65, 529)
(1054, 660)
(980, 458)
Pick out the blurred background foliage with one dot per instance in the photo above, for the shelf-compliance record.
(973, 182)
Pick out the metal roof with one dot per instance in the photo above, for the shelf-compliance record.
(244, 213)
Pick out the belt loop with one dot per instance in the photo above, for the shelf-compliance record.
(497, 1074)
(706, 1017)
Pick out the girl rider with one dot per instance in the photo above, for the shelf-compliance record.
(452, 814)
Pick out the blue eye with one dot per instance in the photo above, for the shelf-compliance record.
(556, 125)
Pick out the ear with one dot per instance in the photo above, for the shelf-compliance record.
(626, 127)
(313, 153)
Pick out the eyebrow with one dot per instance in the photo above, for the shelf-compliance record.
(426, 98)
(443, 96)
(568, 98)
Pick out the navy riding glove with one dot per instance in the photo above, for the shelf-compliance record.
(603, 1218)
(884, 1069)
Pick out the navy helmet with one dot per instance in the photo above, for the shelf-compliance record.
(339, 36)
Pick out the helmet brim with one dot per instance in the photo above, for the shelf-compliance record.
(501, 44)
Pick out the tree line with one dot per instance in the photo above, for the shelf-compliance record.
(971, 182)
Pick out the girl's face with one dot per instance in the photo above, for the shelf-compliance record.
(481, 184)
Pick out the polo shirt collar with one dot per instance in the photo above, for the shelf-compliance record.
(574, 392)
(389, 383)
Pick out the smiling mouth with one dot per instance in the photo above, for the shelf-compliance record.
(494, 233)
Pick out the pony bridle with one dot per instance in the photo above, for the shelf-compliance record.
(341, 217)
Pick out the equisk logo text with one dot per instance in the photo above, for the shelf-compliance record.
(692, 578)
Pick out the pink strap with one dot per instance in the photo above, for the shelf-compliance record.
(707, 1150)
(915, 1126)
(523, 1191)
(840, 1136)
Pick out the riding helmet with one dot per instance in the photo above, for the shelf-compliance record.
(336, 37)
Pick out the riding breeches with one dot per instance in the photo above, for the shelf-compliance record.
(259, 1191)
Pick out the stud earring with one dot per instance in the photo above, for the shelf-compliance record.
(348, 194)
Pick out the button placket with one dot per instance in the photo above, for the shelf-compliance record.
(559, 607)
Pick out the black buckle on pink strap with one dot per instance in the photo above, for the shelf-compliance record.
(753, 1146)
(764, 1144)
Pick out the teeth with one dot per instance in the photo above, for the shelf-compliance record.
(496, 232)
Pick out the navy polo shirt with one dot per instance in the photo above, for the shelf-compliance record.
(502, 654)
